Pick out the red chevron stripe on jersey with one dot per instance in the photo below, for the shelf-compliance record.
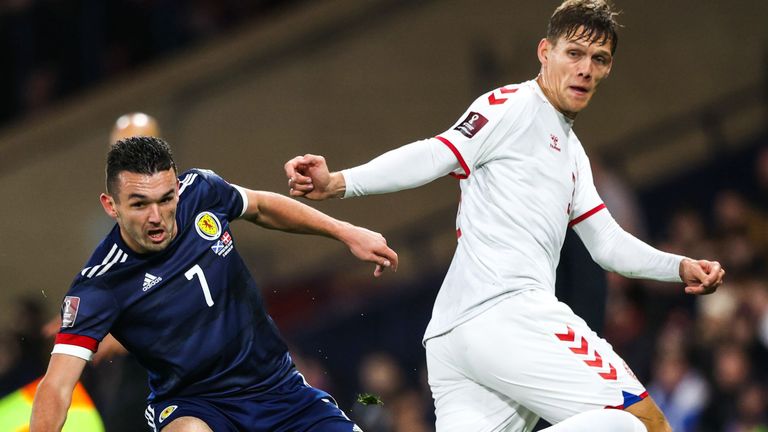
(493, 100)
(581, 348)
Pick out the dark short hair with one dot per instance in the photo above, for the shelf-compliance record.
(140, 155)
(597, 18)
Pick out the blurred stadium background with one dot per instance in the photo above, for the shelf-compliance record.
(678, 137)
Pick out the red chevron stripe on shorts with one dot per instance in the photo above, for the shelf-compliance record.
(580, 347)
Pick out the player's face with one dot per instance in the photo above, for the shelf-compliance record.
(145, 209)
(571, 70)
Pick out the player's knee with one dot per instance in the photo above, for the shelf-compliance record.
(657, 424)
(650, 415)
(654, 421)
(187, 424)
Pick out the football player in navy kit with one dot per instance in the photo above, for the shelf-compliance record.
(169, 284)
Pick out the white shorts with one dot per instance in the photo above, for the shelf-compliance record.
(527, 357)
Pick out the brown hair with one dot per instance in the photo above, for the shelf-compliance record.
(590, 20)
(140, 155)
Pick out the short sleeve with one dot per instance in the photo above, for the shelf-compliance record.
(586, 200)
(481, 129)
(88, 312)
(222, 196)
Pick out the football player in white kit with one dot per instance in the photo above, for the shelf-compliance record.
(502, 351)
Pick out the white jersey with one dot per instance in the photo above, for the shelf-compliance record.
(525, 180)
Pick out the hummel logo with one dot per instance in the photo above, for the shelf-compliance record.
(150, 281)
(553, 144)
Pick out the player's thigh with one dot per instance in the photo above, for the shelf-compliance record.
(297, 406)
(187, 414)
(187, 424)
(651, 416)
(464, 405)
(537, 352)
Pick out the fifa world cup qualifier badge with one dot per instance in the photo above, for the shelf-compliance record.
(69, 311)
(472, 124)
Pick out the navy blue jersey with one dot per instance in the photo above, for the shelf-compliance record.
(192, 313)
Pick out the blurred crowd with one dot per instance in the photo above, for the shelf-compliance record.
(54, 48)
(709, 369)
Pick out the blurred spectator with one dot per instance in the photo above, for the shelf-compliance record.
(405, 406)
(23, 350)
(679, 390)
(408, 410)
(752, 410)
(686, 233)
(741, 232)
(381, 376)
(732, 369)
(761, 179)
(619, 197)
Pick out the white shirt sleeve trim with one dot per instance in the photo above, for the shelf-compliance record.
(244, 196)
(73, 350)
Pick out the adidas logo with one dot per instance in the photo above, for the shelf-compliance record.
(150, 281)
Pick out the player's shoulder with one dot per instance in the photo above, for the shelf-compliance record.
(195, 179)
(108, 256)
(198, 186)
(508, 103)
(508, 96)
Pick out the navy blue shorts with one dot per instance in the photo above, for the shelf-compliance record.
(293, 406)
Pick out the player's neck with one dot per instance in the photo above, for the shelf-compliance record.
(548, 93)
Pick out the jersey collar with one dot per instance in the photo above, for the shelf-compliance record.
(537, 89)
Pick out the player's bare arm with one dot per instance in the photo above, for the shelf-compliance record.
(54, 394)
(309, 177)
(275, 211)
(701, 276)
(109, 347)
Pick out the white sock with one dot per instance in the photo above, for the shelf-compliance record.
(599, 420)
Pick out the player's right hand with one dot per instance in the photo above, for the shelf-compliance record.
(701, 277)
(371, 246)
(309, 177)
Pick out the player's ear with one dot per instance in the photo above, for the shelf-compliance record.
(108, 203)
(543, 51)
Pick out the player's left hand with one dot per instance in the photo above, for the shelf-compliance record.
(701, 276)
(52, 327)
(372, 247)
